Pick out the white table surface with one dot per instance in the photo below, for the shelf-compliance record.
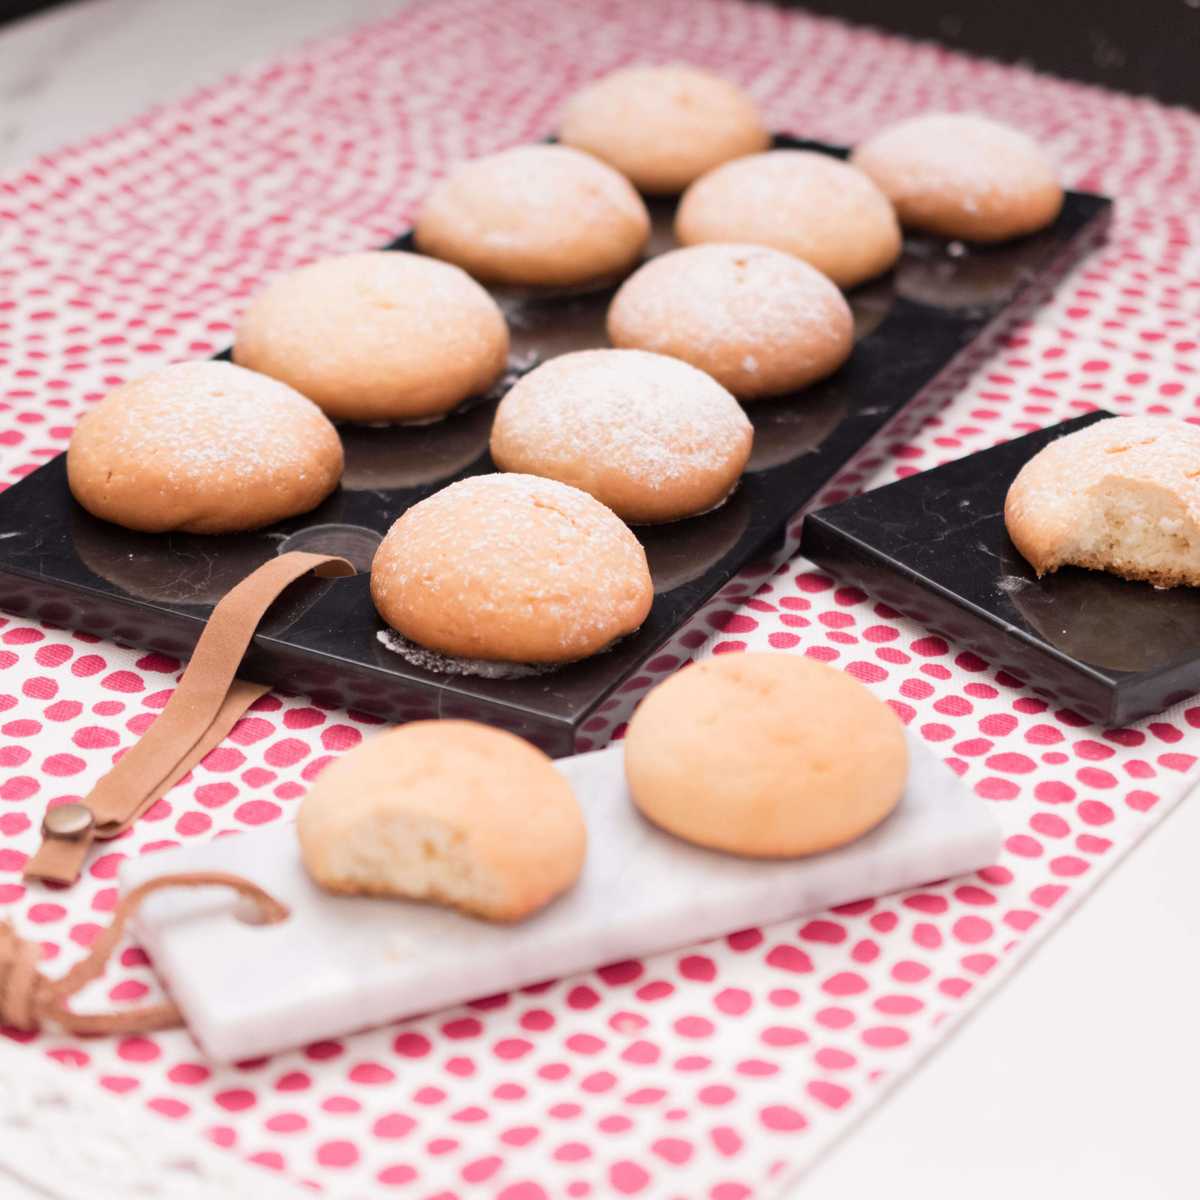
(1050, 1089)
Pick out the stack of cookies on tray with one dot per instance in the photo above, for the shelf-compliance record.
(535, 566)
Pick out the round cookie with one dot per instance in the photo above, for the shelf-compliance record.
(203, 447)
(1122, 495)
(765, 755)
(511, 568)
(381, 336)
(649, 436)
(451, 812)
(803, 202)
(963, 176)
(759, 321)
(536, 216)
(663, 126)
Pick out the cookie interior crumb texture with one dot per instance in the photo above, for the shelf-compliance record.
(759, 321)
(449, 812)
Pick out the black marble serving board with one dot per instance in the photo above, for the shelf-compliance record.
(60, 565)
(934, 547)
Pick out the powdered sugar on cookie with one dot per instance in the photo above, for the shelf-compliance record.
(963, 175)
(535, 216)
(650, 436)
(511, 568)
(206, 447)
(758, 320)
(803, 202)
(383, 336)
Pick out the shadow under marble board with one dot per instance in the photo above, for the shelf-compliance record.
(60, 565)
(934, 546)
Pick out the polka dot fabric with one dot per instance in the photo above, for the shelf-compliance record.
(717, 1072)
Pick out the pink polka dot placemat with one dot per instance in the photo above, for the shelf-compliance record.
(719, 1071)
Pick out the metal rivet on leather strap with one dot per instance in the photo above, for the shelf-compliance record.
(70, 821)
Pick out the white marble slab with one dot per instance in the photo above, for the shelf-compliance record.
(338, 964)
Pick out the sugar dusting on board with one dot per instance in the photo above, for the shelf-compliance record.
(447, 664)
(1012, 584)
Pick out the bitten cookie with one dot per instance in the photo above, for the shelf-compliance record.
(765, 755)
(537, 216)
(450, 812)
(511, 568)
(759, 321)
(203, 447)
(381, 336)
(662, 127)
(803, 202)
(963, 176)
(649, 436)
(1122, 496)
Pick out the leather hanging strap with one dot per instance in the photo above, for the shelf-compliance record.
(29, 1001)
(201, 711)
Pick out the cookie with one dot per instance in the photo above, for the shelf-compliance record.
(765, 755)
(512, 569)
(663, 126)
(203, 447)
(649, 436)
(803, 202)
(383, 336)
(759, 321)
(964, 176)
(449, 812)
(1121, 496)
(535, 216)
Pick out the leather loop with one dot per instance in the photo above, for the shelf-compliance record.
(201, 711)
(29, 1001)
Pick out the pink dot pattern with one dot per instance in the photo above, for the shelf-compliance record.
(708, 1072)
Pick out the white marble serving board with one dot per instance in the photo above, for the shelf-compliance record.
(339, 964)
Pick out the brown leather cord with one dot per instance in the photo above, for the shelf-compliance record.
(201, 711)
(29, 1001)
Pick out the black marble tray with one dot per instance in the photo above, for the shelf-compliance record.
(934, 546)
(62, 566)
